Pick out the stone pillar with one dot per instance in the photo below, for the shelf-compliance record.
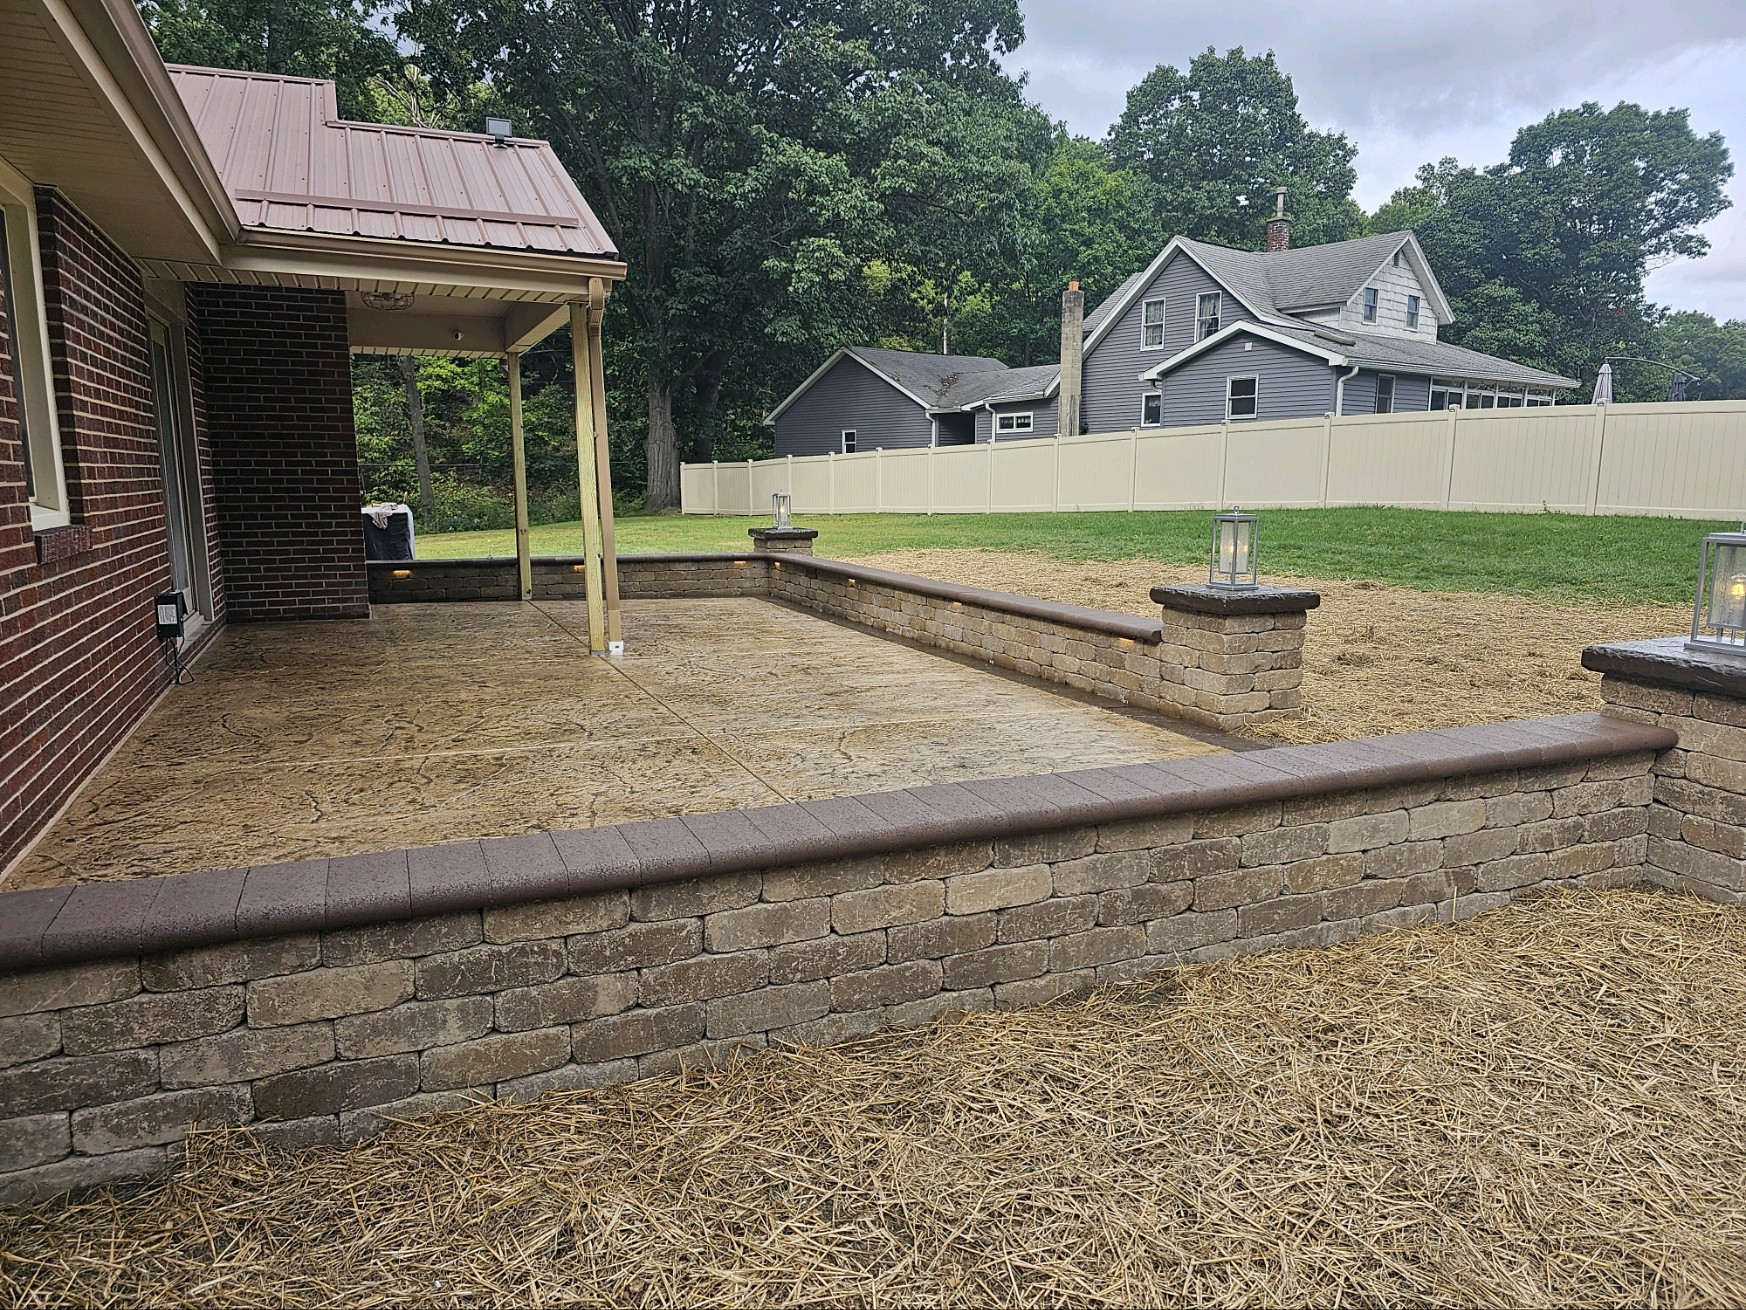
(1233, 657)
(782, 541)
(1697, 814)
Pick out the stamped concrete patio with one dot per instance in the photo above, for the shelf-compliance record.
(432, 723)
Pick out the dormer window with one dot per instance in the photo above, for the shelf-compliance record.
(1152, 325)
(1412, 311)
(1397, 259)
(1370, 298)
(1207, 311)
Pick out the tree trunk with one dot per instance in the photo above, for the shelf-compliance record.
(662, 446)
(708, 389)
(420, 452)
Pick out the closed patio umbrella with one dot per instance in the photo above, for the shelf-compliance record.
(1603, 385)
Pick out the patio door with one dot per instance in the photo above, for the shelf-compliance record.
(180, 468)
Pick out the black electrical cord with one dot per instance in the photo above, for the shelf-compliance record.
(180, 675)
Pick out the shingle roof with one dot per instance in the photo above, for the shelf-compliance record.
(1423, 356)
(1030, 383)
(1326, 275)
(931, 377)
(1110, 303)
(290, 163)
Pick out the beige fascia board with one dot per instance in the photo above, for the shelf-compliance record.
(342, 258)
(109, 40)
(525, 326)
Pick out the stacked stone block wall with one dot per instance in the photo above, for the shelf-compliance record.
(1227, 670)
(319, 1036)
(640, 577)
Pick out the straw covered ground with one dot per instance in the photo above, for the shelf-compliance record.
(1541, 1106)
(1377, 658)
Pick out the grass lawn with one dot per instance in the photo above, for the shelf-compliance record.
(1606, 559)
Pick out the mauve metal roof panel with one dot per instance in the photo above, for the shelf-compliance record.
(276, 140)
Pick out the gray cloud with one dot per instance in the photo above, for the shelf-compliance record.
(1412, 82)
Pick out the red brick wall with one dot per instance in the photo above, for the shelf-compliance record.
(79, 661)
(278, 400)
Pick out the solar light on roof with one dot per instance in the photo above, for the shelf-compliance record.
(1233, 551)
(501, 129)
(1718, 615)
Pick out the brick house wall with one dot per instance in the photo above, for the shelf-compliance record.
(79, 659)
(278, 403)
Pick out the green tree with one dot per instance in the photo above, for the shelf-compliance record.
(1214, 142)
(337, 39)
(749, 157)
(1714, 353)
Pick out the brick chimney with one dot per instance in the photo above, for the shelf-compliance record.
(1072, 358)
(1279, 226)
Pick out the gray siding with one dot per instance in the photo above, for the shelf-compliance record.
(1360, 394)
(851, 396)
(1112, 370)
(1411, 394)
(1293, 384)
(1045, 421)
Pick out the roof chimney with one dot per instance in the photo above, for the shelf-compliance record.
(1279, 226)
(1072, 359)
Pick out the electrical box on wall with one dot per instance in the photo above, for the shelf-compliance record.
(172, 608)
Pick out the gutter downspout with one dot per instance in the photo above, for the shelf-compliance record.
(1340, 390)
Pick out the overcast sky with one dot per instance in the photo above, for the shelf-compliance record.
(1410, 81)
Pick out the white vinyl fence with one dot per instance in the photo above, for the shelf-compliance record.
(1681, 460)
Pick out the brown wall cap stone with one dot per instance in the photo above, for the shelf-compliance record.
(96, 920)
(1204, 598)
(27, 917)
(452, 876)
(368, 889)
(1668, 662)
(283, 898)
(694, 557)
(526, 868)
(194, 909)
(782, 534)
(1076, 616)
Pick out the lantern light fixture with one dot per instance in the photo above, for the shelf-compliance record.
(1232, 566)
(1718, 614)
(782, 511)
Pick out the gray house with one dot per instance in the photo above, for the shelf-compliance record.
(1202, 334)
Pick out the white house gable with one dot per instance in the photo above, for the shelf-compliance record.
(1399, 297)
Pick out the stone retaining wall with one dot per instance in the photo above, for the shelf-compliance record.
(640, 577)
(314, 999)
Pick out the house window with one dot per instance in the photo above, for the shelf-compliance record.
(1152, 325)
(1207, 309)
(1538, 398)
(1385, 393)
(1241, 397)
(1446, 394)
(1370, 296)
(1481, 397)
(1015, 423)
(848, 441)
(21, 273)
(1412, 311)
(1152, 409)
(1397, 259)
(1509, 399)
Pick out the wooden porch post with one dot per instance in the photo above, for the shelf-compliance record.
(518, 449)
(603, 466)
(588, 480)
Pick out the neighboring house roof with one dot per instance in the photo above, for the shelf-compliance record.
(925, 379)
(1344, 349)
(997, 387)
(290, 163)
(1307, 276)
(1110, 303)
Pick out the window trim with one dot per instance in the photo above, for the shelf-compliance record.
(1146, 399)
(847, 441)
(49, 507)
(1160, 324)
(1030, 424)
(1230, 381)
(1412, 312)
(1201, 318)
(1376, 403)
(1370, 304)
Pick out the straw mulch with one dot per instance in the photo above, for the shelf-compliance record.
(1540, 1107)
(1376, 658)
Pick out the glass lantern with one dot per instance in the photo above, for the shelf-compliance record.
(1233, 551)
(1718, 615)
(782, 510)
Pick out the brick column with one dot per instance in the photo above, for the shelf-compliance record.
(1233, 657)
(1697, 819)
(782, 541)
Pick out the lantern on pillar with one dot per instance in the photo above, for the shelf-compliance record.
(782, 511)
(1233, 551)
(1718, 615)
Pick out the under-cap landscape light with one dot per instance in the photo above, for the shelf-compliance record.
(782, 510)
(1233, 551)
(1718, 614)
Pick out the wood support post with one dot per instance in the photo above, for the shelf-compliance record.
(518, 451)
(603, 465)
(588, 480)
